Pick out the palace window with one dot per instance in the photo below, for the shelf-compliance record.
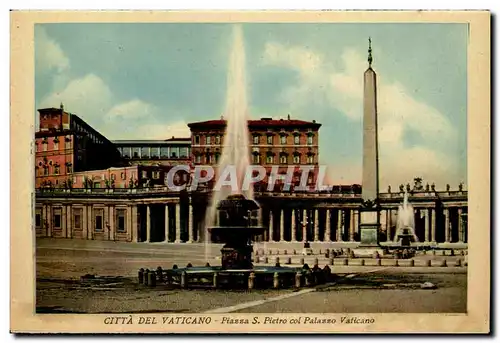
(296, 140)
(283, 159)
(156, 174)
(209, 158)
(296, 159)
(155, 152)
(77, 218)
(164, 152)
(283, 139)
(45, 170)
(56, 144)
(122, 175)
(45, 143)
(208, 140)
(197, 140)
(145, 152)
(183, 152)
(197, 159)
(256, 159)
(217, 157)
(98, 216)
(174, 152)
(120, 220)
(270, 159)
(67, 142)
(144, 174)
(310, 159)
(136, 152)
(270, 140)
(217, 139)
(56, 169)
(309, 140)
(256, 139)
(113, 177)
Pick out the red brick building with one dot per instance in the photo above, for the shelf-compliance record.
(281, 142)
(66, 144)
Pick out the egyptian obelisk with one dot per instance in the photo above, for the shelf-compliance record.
(370, 218)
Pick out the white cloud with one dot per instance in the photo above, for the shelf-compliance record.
(133, 109)
(399, 114)
(48, 53)
(92, 99)
(88, 97)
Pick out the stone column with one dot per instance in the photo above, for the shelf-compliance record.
(44, 220)
(305, 219)
(461, 235)
(316, 225)
(427, 222)
(271, 226)
(293, 227)
(128, 223)
(190, 225)
(389, 225)
(148, 223)
(69, 221)
(111, 221)
(328, 230)
(178, 223)
(90, 222)
(282, 225)
(167, 222)
(134, 232)
(85, 229)
(339, 226)
(447, 225)
(49, 220)
(356, 222)
(63, 221)
(351, 226)
(433, 225)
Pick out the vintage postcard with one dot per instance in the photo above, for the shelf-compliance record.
(250, 172)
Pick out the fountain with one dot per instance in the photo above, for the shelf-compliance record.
(232, 216)
(236, 230)
(405, 229)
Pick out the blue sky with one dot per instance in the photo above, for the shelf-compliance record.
(149, 80)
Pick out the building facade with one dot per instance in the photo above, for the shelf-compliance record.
(273, 142)
(168, 152)
(66, 144)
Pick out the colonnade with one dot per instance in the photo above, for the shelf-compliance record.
(171, 222)
(342, 224)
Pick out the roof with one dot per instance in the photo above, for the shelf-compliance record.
(263, 122)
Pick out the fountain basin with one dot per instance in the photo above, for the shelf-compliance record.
(259, 277)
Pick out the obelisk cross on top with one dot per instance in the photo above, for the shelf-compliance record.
(370, 219)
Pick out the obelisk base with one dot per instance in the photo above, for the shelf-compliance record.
(369, 229)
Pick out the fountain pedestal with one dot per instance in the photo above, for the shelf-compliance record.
(405, 238)
(236, 230)
(236, 257)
